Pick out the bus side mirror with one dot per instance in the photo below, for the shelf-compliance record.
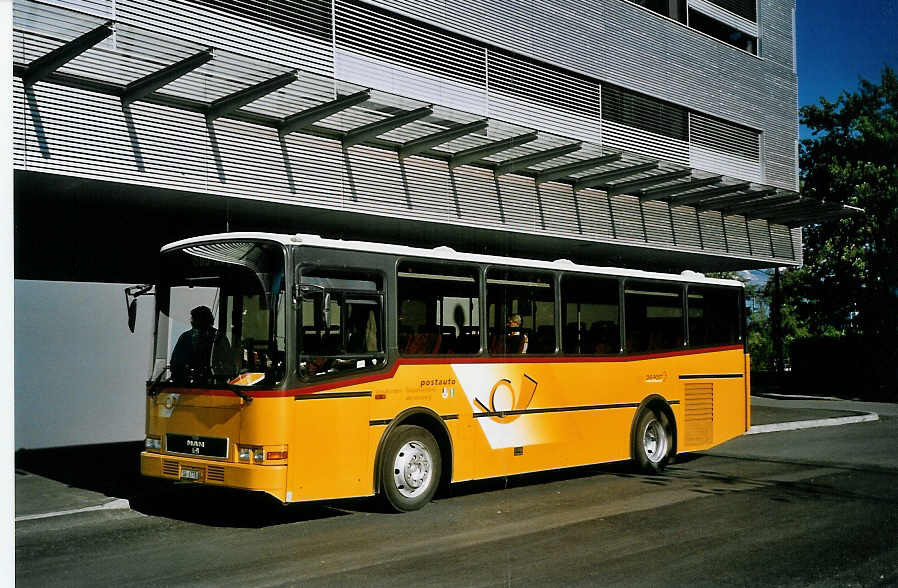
(131, 294)
(132, 314)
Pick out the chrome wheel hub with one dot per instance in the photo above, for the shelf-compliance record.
(654, 441)
(412, 469)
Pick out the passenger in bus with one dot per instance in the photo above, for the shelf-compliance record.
(516, 338)
(202, 351)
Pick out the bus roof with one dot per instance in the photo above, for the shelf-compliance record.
(448, 254)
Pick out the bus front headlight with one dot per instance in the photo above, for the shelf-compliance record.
(153, 443)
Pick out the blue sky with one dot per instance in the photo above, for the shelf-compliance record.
(840, 41)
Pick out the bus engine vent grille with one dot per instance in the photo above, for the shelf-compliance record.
(699, 413)
(170, 468)
(215, 473)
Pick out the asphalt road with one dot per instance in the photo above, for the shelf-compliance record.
(811, 507)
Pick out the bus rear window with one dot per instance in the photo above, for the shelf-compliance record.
(714, 316)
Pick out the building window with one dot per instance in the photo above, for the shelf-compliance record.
(644, 112)
(745, 8)
(675, 9)
(723, 32)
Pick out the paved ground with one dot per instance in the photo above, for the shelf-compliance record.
(808, 507)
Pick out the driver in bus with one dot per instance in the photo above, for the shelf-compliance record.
(201, 351)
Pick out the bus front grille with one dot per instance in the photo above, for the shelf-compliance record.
(215, 473)
(170, 468)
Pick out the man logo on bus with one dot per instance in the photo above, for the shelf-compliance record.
(505, 401)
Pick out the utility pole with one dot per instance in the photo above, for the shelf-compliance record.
(776, 319)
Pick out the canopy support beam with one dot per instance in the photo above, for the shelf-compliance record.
(304, 118)
(371, 130)
(602, 179)
(45, 65)
(658, 193)
(426, 142)
(139, 89)
(237, 100)
(726, 203)
(474, 153)
(563, 171)
(525, 161)
(631, 186)
(687, 199)
(756, 210)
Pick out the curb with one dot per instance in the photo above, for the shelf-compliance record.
(795, 425)
(117, 504)
(795, 397)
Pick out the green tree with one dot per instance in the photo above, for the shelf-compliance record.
(848, 286)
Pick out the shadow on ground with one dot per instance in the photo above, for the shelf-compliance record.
(112, 469)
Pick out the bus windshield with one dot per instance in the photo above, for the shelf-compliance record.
(221, 316)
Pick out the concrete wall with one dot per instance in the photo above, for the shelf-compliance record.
(79, 372)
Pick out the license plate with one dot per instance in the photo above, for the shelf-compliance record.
(189, 474)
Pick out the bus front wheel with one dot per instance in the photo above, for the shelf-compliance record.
(652, 441)
(411, 468)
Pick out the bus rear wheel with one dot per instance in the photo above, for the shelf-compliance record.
(652, 441)
(410, 468)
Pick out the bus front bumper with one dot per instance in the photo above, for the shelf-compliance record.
(266, 478)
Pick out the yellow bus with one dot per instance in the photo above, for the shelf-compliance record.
(312, 368)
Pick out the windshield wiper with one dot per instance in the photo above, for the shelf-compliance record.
(236, 390)
(151, 389)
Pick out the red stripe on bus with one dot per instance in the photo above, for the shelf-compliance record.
(431, 360)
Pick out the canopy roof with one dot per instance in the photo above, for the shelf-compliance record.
(164, 70)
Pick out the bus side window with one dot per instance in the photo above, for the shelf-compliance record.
(520, 311)
(654, 316)
(439, 309)
(340, 324)
(590, 313)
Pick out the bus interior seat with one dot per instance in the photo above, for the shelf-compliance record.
(468, 342)
(544, 342)
(448, 340)
(424, 342)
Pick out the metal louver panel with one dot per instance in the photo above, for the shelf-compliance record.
(376, 33)
(526, 92)
(721, 146)
(380, 50)
(745, 8)
(292, 36)
(101, 8)
(620, 136)
(308, 17)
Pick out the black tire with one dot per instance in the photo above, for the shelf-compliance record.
(410, 468)
(652, 441)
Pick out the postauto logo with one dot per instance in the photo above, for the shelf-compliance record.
(505, 400)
